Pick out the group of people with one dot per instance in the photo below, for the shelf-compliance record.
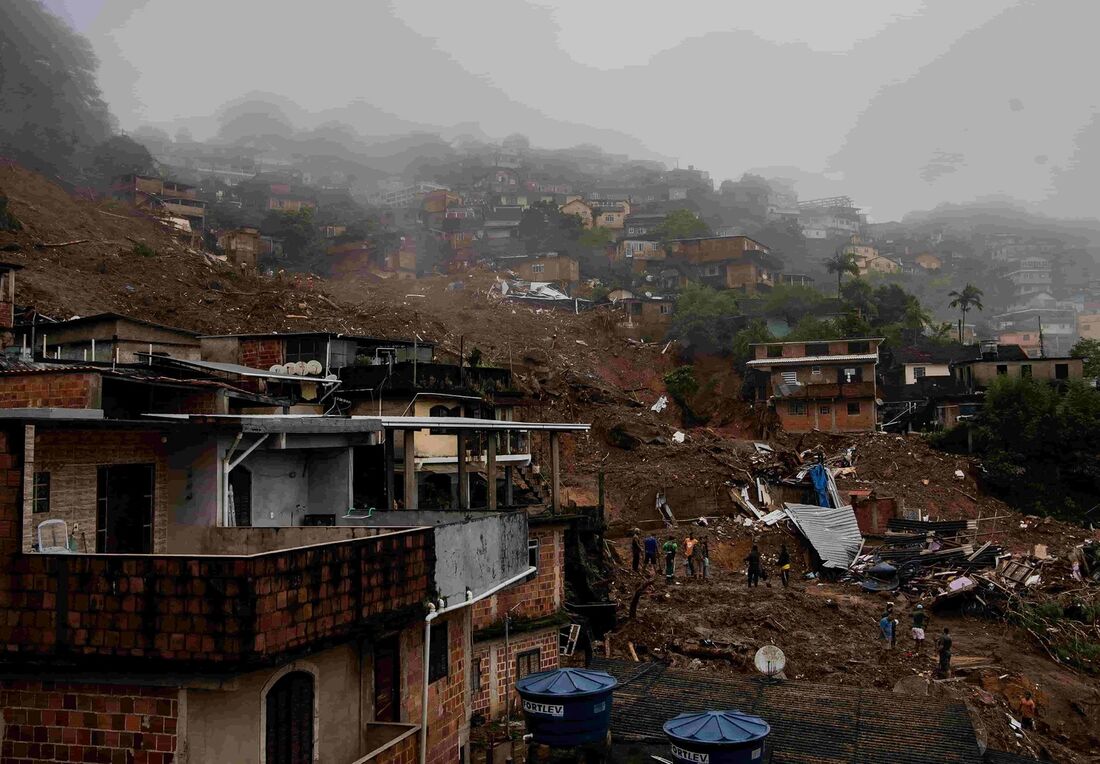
(696, 554)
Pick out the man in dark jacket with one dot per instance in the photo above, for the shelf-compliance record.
(635, 550)
(753, 559)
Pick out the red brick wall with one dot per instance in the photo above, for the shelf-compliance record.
(814, 418)
(539, 597)
(261, 353)
(447, 713)
(404, 752)
(58, 721)
(50, 390)
(498, 665)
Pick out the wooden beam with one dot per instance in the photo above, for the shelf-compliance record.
(463, 472)
(389, 455)
(411, 499)
(555, 470)
(491, 470)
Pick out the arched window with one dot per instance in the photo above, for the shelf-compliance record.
(288, 724)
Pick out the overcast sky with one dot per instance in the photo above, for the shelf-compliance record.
(900, 103)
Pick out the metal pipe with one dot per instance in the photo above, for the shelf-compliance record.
(434, 613)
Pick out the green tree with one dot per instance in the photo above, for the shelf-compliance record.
(841, 263)
(681, 224)
(53, 114)
(301, 242)
(1090, 351)
(119, 155)
(970, 297)
(755, 332)
(860, 297)
(705, 319)
(792, 301)
(811, 328)
(681, 384)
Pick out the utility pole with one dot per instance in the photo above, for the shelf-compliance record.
(1042, 350)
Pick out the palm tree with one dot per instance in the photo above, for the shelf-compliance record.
(841, 263)
(969, 297)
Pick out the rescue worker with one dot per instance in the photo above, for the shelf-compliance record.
(754, 566)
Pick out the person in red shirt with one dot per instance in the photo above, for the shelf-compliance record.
(1027, 711)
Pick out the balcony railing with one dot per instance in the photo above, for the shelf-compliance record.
(828, 391)
(210, 611)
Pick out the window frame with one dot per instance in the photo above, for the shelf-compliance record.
(1002, 370)
(858, 408)
(797, 408)
(1061, 371)
(297, 666)
(920, 372)
(824, 408)
(439, 661)
(817, 348)
(527, 655)
(36, 496)
(1026, 371)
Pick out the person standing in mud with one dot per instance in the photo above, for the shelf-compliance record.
(704, 557)
(689, 553)
(635, 550)
(920, 621)
(650, 553)
(753, 560)
(669, 549)
(943, 644)
(784, 565)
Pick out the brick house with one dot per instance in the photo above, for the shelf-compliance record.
(561, 270)
(332, 351)
(241, 246)
(723, 262)
(828, 385)
(168, 196)
(218, 640)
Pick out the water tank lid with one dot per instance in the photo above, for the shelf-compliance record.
(717, 727)
(568, 682)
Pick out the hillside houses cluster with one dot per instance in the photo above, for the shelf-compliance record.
(256, 547)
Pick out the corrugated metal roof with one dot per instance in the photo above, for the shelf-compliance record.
(810, 723)
(834, 533)
(233, 368)
(812, 359)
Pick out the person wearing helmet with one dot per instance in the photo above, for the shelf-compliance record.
(920, 621)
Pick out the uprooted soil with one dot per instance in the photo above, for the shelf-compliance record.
(577, 368)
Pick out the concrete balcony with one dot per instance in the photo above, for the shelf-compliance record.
(827, 391)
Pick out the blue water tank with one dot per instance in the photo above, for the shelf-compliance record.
(567, 707)
(718, 737)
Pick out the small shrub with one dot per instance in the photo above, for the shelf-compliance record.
(144, 250)
(681, 383)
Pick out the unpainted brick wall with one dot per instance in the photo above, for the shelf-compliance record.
(50, 390)
(72, 459)
(448, 715)
(539, 597)
(499, 665)
(61, 721)
(404, 752)
(261, 353)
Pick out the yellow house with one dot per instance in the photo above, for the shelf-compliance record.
(613, 218)
(867, 258)
(579, 208)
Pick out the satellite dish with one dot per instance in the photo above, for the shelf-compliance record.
(314, 367)
(299, 368)
(770, 660)
(278, 369)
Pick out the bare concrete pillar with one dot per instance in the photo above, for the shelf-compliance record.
(411, 499)
(491, 470)
(463, 475)
(555, 473)
(388, 451)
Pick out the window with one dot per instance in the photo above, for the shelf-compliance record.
(853, 408)
(475, 674)
(919, 372)
(305, 349)
(124, 509)
(797, 408)
(790, 377)
(538, 267)
(824, 408)
(815, 370)
(609, 218)
(666, 309)
(1002, 369)
(532, 556)
(775, 351)
(288, 724)
(41, 492)
(712, 270)
(527, 663)
(437, 655)
(1061, 371)
(1025, 370)
(847, 376)
(817, 348)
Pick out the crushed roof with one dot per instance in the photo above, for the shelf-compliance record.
(833, 533)
(810, 723)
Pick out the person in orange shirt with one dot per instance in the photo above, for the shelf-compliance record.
(1027, 711)
(689, 553)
